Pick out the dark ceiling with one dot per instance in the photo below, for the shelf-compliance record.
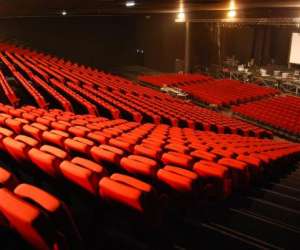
(18, 8)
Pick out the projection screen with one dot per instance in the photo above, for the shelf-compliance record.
(295, 49)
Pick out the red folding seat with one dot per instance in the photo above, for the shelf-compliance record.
(79, 131)
(55, 137)
(107, 153)
(59, 126)
(121, 144)
(29, 116)
(201, 154)
(240, 171)
(44, 121)
(79, 145)
(140, 165)
(3, 118)
(254, 163)
(177, 159)
(98, 138)
(47, 158)
(32, 131)
(223, 152)
(15, 112)
(217, 176)
(59, 153)
(177, 148)
(179, 179)
(18, 148)
(127, 191)
(29, 221)
(150, 152)
(7, 179)
(83, 172)
(57, 211)
(14, 125)
(39, 126)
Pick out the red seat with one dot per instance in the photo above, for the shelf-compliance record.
(201, 154)
(28, 220)
(107, 153)
(177, 159)
(78, 145)
(47, 162)
(55, 137)
(179, 179)
(17, 149)
(150, 152)
(126, 190)
(217, 175)
(121, 144)
(139, 165)
(7, 179)
(83, 172)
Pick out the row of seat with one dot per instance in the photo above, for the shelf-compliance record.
(8, 91)
(281, 113)
(228, 92)
(39, 99)
(67, 106)
(140, 150)
(39, 217)
(211, 91)
(116, 97)
(173, 79)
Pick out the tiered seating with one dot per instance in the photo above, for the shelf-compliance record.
(282, 113)
(210, 91)
(228, 92)
(40, 218)
(61, 99)
(115, 97)
(123, 162)
(31, 90)
(173, 79)
(104, 157)
(8, 91)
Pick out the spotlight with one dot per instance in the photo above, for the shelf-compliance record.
(64, 13)
(129, 4)
(231, 14)
(180, 17)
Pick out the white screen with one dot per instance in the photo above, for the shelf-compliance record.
(295, 49)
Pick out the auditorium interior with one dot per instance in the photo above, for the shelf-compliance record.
(149, 125)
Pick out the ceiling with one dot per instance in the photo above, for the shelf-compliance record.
(29, 8)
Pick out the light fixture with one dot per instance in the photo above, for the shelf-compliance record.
(64, 13)
(231, 10)
(231, 13)
(180, 18)
(130, 4)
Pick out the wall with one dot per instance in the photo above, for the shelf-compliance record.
(162, 41)
(107, 42)
(103, 42)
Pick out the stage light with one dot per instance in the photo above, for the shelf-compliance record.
(231, 10)
(64, 13)
(130, 4)
(231, 13)
(180, 17)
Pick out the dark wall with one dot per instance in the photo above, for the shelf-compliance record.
(98, 41)
(263, 43)
(107, 42)
(162, 41)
